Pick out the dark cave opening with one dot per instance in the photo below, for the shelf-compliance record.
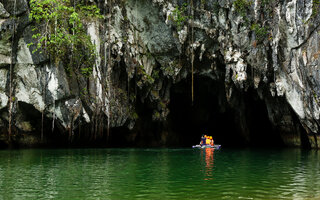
(242, 123)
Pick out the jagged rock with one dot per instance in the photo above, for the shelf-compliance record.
(5, 43)
(272, 49)
(28, 87)
(3, 12)
(18, 9)
(3, 81)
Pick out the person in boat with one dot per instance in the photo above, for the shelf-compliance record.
(208, 141)
(212, 142)
(203, 140)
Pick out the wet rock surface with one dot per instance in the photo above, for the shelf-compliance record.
(253, 53)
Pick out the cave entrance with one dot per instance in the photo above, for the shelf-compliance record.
(243, 122)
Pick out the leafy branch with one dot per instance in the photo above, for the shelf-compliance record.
(261, 32)
(61, 34)
(178, 16)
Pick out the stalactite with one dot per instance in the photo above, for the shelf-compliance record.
(44, 100)
(316, 140)
(92, 126)
(101, 122)
(109, 70)
(136, 43)
(11, 73)
(73, 27)
(53, 115)
(71, 127)
(103, 78)
(192, 53)
(44, 85)
(96, 125)
(252, 74)
(42, 119)
(79, 127)
(128, 86)
(101, 102)
(107, 90)
(54, 102)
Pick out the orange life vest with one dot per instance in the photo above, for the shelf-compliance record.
(208, 141)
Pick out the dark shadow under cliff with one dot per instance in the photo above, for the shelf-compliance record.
(243, 121)
(240, 123)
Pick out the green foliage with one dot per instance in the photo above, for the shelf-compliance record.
(260, 31)
(242, 6)
(266, 2)
(155, 74)
(171, 69)
(316, 98)
(315, 12)
(216, 7)
(133, 115)
(61, 33)
(144, 76)
(125, 39)
(315, 7)
(84, 92)
(156, 115)
(132, 97)
(267, 7)
(179, 16)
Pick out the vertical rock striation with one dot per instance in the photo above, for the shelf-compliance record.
(269, 47)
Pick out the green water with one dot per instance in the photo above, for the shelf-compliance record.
(159, 174)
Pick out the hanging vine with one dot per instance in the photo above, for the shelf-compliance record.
(103, 77)
(54, 102)
(42, 112)
(69, 36)
(11, 73)
(61, 35)
(108, 81)
(192, 53)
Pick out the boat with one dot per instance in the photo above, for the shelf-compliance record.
(216, 146)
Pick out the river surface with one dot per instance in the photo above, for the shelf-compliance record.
(159, 174)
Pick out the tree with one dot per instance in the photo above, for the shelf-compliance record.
(61, 32)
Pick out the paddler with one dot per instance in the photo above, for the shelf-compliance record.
(212, 142)
(203, 140)
(208, 142)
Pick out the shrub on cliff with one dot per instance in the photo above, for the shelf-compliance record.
(60, 32)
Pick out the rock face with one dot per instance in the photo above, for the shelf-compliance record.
(266, 49)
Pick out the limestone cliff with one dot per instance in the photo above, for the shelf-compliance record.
(267, 49)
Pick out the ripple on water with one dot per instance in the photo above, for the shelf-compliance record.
(159, 174)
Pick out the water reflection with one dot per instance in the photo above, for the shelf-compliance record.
(207, 156)
(159, 174)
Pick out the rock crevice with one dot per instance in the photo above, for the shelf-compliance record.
(267, 49)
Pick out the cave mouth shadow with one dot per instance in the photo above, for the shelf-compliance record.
(243, 123)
